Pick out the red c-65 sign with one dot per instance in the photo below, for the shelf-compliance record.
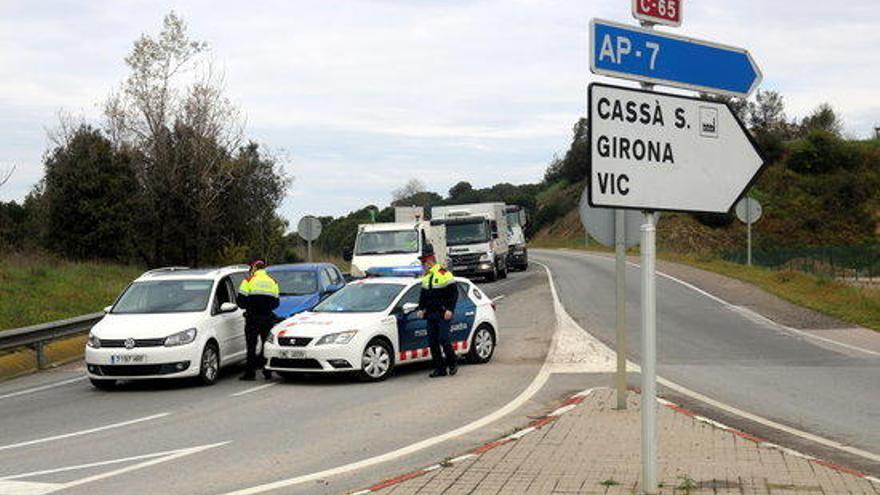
(666, 12)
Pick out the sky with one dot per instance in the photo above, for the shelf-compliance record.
(356, 97)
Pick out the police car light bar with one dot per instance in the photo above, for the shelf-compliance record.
(395, 271)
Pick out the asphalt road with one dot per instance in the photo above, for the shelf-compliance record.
(159, 437)
(721, 353)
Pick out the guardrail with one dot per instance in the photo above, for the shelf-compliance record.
(36, 336)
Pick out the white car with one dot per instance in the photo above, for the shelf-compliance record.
(370, 326)
(169, 323)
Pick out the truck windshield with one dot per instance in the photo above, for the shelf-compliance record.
(360, 298)
(512, 218)
(388, 242)
(164, 296)
(466, 233)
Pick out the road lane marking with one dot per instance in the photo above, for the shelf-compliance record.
(253, 389)
(83, 432)
(731, 409)
(112, 461)
(742, 309)
(536, 384)
(41, 388)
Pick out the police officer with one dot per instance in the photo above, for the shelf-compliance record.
(258, 296)
(436, 304)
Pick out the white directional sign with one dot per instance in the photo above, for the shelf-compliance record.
(656, 151)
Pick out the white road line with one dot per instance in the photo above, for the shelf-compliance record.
(41, 388)
(536, 384)
(739, 412)
(498, 298)
(108, 463)
(746, 311)
(519, 434)
(461, 458)
(562, 410)
(84, 432)
(254, 389)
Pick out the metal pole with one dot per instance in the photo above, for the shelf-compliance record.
(649, 357)
(310, 250)
(620, 267)
(749, 231)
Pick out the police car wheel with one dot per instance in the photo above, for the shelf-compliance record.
(210, 365)
(103, 384)
(482, 345)
(376, 361)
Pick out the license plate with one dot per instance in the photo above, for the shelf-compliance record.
(128, 358)
(293, 354)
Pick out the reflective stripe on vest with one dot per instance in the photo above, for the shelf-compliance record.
(437, 278)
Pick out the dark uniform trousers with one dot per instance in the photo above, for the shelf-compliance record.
(438, 334)
(256, 327)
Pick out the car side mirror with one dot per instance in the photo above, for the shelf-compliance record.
(409, 307)
(108, 308)
(228, 307)
(347, 254)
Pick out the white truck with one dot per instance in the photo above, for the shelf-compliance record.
(476, 238)
(518, 253)
(394, 248)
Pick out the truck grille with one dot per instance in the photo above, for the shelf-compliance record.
(465, 259)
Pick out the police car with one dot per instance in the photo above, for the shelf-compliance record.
(370, 326)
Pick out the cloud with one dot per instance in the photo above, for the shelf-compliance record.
(364, 95)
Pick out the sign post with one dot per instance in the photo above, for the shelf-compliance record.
(748, 210)
(309, 228)
(653, 151)
(622, 230)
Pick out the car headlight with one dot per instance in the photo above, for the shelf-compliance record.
(93, 342)
(181, 338)
(270, 339)
(337, 338)
(485, 257)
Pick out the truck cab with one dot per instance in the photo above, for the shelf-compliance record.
(476, 238)
(395, 246)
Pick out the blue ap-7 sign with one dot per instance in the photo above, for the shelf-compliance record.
(628, 52)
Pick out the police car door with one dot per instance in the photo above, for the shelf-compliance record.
(463, 319)
(412, 331)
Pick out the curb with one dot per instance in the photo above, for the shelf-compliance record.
(570, 404)
(533, 426)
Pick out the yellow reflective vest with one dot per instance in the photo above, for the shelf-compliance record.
(437, 277)
(260, 284)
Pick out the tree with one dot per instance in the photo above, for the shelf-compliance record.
(411, 188)
(767, 112)
(171, 116)
(88, 194)
(573, 167)
(823, 118)
(461, 190)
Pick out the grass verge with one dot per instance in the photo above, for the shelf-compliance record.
(38, 289)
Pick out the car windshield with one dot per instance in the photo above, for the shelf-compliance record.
(165, 296)
(360, 298)
(388, 242)
(295, 283)
(466, 233)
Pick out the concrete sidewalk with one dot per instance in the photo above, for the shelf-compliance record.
(586, 446)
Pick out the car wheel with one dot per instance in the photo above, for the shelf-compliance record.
(103, 384)
(377, 361)
(210, 365)
(482, 345)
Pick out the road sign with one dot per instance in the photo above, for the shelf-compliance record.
(599, 223)
(667, 12)
(748, 210)
(657, 151)
(629, 52)
(309, 228)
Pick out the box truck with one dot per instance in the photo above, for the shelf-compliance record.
(517, 253)
(476, 238)
(394, 248)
